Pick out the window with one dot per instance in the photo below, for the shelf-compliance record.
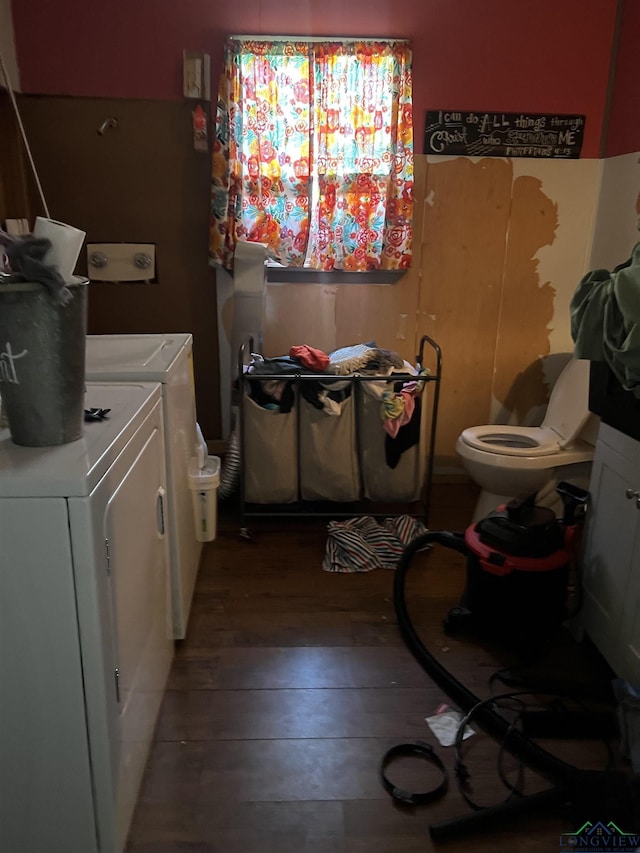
(313, 153)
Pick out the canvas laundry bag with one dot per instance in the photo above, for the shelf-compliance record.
(269, 454)
(329, 467)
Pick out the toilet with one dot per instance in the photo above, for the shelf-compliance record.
(508, 461)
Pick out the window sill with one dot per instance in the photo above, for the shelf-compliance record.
(298, 275)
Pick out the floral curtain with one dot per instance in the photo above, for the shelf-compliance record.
(313, 153)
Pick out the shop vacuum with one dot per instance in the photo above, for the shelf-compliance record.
(519, 561)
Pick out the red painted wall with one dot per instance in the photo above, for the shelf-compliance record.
(624, 122)
(530, 55)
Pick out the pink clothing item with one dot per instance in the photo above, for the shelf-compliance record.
(392, 425)
(312, 358)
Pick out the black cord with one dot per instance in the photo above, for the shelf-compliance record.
(566, 779)
(561, 773)
(461, 771)
(515, 790)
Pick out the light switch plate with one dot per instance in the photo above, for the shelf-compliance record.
(120, 262)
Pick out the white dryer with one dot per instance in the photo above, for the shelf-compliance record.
(85, 648)
(166, 359)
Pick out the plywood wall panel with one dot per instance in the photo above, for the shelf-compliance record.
(466, 214)
(331, 316)
(548, 246)
(385, 314)
(299, 314)
(527, 303)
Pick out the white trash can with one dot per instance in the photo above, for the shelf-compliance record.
(204, 483)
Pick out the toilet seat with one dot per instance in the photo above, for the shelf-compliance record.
(507, 460)
(566, 415)
(505, 440)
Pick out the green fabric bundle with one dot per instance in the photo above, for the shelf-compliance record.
(605, 320)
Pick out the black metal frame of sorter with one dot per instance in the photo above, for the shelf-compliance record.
(327, 508)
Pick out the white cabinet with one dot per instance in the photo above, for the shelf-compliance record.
(85, 643)
(611, 556)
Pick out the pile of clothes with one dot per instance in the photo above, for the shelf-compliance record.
(22, 259)
(605, 320)
(362, 544)
(326, 380)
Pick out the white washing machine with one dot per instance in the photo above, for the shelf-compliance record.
(85, 648)
(166, 359)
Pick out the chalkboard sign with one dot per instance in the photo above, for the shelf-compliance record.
(482, 134)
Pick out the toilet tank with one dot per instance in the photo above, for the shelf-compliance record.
(568, 409)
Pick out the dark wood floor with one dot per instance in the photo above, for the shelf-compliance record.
(290, 686)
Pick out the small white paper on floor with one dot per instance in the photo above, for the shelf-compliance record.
(445, 726)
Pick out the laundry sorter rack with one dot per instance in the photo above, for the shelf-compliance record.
(304, 462)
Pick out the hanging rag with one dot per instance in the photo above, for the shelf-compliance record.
(397, 411)
(25, 256)
(408, 435)
(400, 414)
(605, 320)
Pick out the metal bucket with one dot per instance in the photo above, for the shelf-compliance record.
(42, 362)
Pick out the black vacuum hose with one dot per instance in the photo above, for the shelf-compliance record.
(605, 795)
(559, 772)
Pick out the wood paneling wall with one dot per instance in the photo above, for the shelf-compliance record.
(465, 222)
(17, 187)
(139, 182)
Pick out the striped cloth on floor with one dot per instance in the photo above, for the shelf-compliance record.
(363, 544)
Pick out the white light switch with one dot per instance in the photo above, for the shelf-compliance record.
(121, 261)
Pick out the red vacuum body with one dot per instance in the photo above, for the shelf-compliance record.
(519, 561)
